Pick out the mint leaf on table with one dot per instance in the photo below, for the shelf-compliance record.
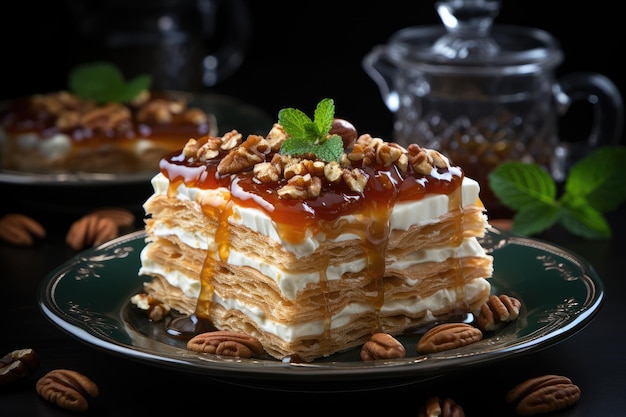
(600, 178)
(518, 184)
(535, 218)
(587, 222)
(308, 136)
(104, 83)
(595, 185)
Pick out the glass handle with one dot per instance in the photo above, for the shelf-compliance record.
(607, 118)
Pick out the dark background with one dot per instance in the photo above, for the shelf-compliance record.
(301, 52)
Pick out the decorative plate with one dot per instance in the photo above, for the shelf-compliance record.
(89, 297)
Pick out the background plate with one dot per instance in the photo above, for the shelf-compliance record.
(81, 192)
(229, 113)
(89, 295)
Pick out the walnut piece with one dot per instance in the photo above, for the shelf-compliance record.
(17, 365)
(226, 343)
(436, 407)
(68, 389)
(154, 308)
(301, 187)
(21, 230)
(543, 394)
(448, 336)
(91, 230)
(496, 311)
(244, 156)
(113, 116)
(382, 346)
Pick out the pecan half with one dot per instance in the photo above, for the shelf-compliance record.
(19, 229)
(122, 217)
(68, 389)
(18, 365)
(382, 346)
(496, 311)
(435, 407)
(543, 394)
(226, 343)
(91, 230)
(448, 336)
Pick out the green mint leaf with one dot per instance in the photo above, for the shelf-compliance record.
(594, 185)
(134, 87)
(331, 149)
(312, 133)
(103, 83)
(308, 136)
(518, 184)
(535, 218)
(294, 122)
(295, 146)
(599, 178)
(587, 222)
(324, 115)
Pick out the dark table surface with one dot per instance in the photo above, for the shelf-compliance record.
(594, 357)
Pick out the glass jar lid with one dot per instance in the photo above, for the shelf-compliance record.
(469, 39)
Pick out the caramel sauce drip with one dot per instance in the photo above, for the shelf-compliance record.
(372, 209)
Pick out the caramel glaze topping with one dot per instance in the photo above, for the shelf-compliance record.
(385, 185)
(161, 116)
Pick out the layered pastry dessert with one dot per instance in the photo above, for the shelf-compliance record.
(65, 132)
(311, 247)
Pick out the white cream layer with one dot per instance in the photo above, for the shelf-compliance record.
(424, 211)
(290, 284)
(416, 305)
(404, 215)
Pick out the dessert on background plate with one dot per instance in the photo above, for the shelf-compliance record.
(101, 124)
(312, 238)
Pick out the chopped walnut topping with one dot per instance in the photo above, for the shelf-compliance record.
(210, 149)
(160, 111)
(230, 140)
(154, 308)
(276, 137)
(110, 117)
(418, 159)
(301, 187)
(267, 172)
(437, 159)
(56, 103)
(355, 179)
(71, 112)
(304, 173)
(333, 172)
(248, 154)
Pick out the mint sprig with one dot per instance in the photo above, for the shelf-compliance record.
(308, 136)
(595, 185)
(104, 83)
